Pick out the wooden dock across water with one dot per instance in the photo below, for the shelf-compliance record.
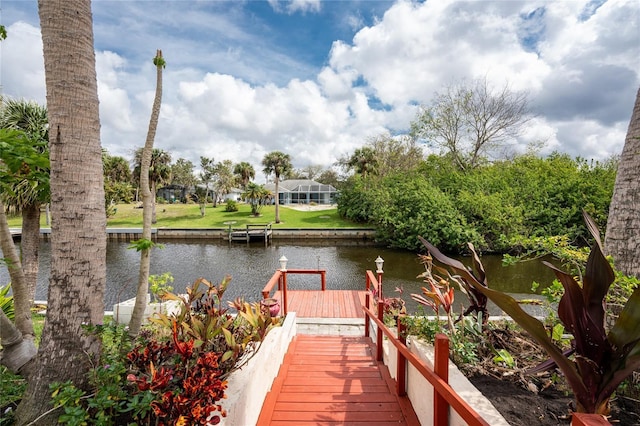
(324, 304)
(252, 232)
(334, 380)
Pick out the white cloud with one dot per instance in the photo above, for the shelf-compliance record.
(230, 93)
(293, 6)
(22, 64)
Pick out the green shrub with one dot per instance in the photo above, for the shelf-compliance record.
(231, 206)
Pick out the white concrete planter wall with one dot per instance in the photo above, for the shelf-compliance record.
(420, 391)
(122, 311)
(248, 387)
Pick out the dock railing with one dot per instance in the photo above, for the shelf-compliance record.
(444, 395)
(280, 278)
(264, 231)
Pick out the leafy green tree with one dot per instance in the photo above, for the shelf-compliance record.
(355, 202)
(182, 173)
(468, 121)
(244, 173)
(407, 205)
(278, 164)
(24, 172)
(207, 173)
(117, 181)
(330, 177)
(394, 154)
(224, 179)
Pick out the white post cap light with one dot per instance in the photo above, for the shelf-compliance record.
(283, 263)
(379, 262)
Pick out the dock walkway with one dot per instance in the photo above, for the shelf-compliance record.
(334, 380)
(330, 375)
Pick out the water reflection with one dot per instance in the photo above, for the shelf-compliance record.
(251, 266)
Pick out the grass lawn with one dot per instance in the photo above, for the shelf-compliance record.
(188, 216)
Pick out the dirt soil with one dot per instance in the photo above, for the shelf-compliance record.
(542, 399)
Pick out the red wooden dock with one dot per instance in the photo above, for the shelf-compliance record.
(334, 380)
(324, 304)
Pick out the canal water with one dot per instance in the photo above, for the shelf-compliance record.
(251, 265)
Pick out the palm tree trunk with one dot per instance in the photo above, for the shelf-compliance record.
(137, 316)
(16, 350)
(30, 246)
(277, 200)
(78, 231)
(622, 238)
(19, 287)
(154, 217)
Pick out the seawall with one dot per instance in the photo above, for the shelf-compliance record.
(128, 234)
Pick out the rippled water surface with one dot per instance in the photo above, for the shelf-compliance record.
(251, 266)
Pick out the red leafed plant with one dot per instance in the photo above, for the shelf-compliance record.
(185, 381)
(207, 341)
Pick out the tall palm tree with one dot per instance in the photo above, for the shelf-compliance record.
(622, 240)
(257, 196)
(245, 172)
(363, 161)
(78, 229)
(278, 164)
(152, 164)
(25, 186)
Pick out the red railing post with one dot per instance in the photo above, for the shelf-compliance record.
(284, 292)
(379, 334)
(583, 419)
(401, 367)
(367, 304)
(323, 279)
(441, 368)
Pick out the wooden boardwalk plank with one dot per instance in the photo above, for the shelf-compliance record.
(324, 304)
(334, 380)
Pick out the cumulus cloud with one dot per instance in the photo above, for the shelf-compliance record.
(22, 64)
(231, 92)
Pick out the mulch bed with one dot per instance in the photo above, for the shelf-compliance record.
(542, 399)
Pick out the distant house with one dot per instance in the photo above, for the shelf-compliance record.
(173, 193)
(235, 195)
(303, 191)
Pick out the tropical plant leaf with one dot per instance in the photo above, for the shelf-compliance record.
(590, 339)
(626, 330)
(598, 276)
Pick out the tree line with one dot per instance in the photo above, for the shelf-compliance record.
(494, 206)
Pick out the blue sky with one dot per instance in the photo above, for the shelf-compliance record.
(318, 79)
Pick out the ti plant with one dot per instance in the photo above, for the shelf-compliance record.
(440, 295)
(467, 279)
(600, 360)
(204, 318)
